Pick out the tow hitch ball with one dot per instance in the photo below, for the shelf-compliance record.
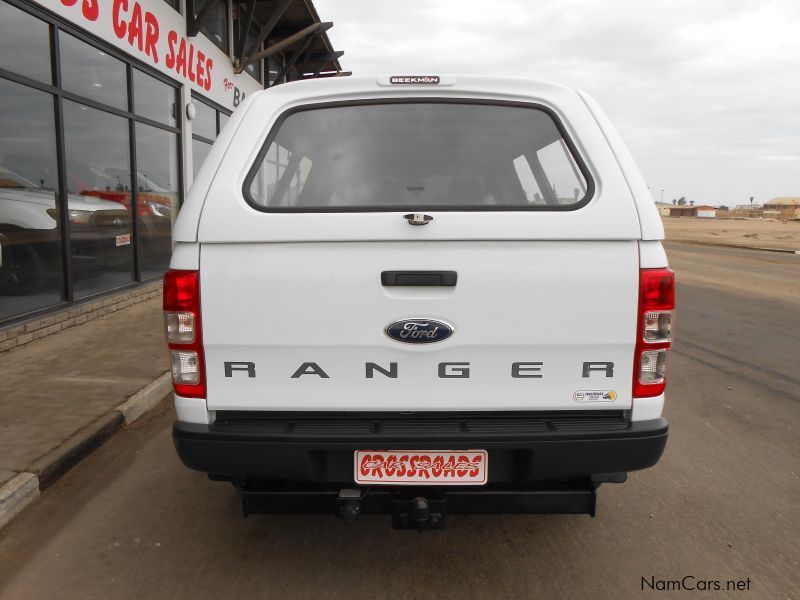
(414, 514)
(419, 513)
(349, 505)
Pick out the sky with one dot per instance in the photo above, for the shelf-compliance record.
(705, 92)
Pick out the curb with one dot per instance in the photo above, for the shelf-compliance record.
(16, 494)
(25, 487)
(146, 399)
(53, 464)
(740, 246)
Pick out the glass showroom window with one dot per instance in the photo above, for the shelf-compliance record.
(206, 126)
(154, 99)
(99, 187)
(205, 121)
(73, 220)
(156, 197)
(215, 25)
(21, 30)
(30, 240)
(92, 73)
(273, 68)
(157, 173)
(254, 68)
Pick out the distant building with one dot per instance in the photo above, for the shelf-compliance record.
(706, 212)
(702, 211)
(785, 207)
(783, 203)
(663, 208)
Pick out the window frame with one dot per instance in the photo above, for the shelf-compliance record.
(573, 151)
(218, 110)
(56, 24)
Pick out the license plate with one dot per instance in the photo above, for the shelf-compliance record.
(124, 240)
(421, 467)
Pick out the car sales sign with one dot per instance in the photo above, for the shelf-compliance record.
(155, 33)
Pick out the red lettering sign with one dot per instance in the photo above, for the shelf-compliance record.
(89, 8)
(140, 29)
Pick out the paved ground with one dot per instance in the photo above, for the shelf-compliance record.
(54, 387)
(130, 522)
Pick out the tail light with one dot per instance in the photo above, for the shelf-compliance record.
(653, 332)
(184, 333)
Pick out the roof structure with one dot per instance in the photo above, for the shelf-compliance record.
(263, 28)
(783, 201)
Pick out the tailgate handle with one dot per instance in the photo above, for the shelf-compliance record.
(419, 278)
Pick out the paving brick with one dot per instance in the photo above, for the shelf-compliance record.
(24, 338)
(8, 345)
(33, 326)
(127, 349)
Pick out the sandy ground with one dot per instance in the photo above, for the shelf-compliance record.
(753, 233)
(764, 275)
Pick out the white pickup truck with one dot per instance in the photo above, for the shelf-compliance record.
(419, 296)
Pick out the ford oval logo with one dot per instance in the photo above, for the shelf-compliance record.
(419, 331)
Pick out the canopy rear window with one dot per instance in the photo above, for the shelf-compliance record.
(418, 155)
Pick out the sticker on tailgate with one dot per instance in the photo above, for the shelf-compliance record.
(421, 467)
(595, 396)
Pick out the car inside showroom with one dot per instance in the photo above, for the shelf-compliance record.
(107, 112)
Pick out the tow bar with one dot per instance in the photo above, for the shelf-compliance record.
(423, 508)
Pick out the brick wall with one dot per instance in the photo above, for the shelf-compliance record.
(20, 334)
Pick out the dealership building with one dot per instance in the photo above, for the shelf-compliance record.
(107, 110)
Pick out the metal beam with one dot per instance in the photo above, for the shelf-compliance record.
(320, 67)
(194, 23)
(246, 57)
(283, 31)
(323, 58)
(278, 46)
(329, 74)
(245, 22)
(307, 54)
(284, 72)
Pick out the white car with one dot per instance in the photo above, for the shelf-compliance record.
(30, 241)
(420, 296)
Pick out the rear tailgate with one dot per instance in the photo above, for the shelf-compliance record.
(566, 310)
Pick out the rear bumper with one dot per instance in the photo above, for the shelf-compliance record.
(522, 448)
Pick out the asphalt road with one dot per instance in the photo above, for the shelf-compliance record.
(724, 502)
